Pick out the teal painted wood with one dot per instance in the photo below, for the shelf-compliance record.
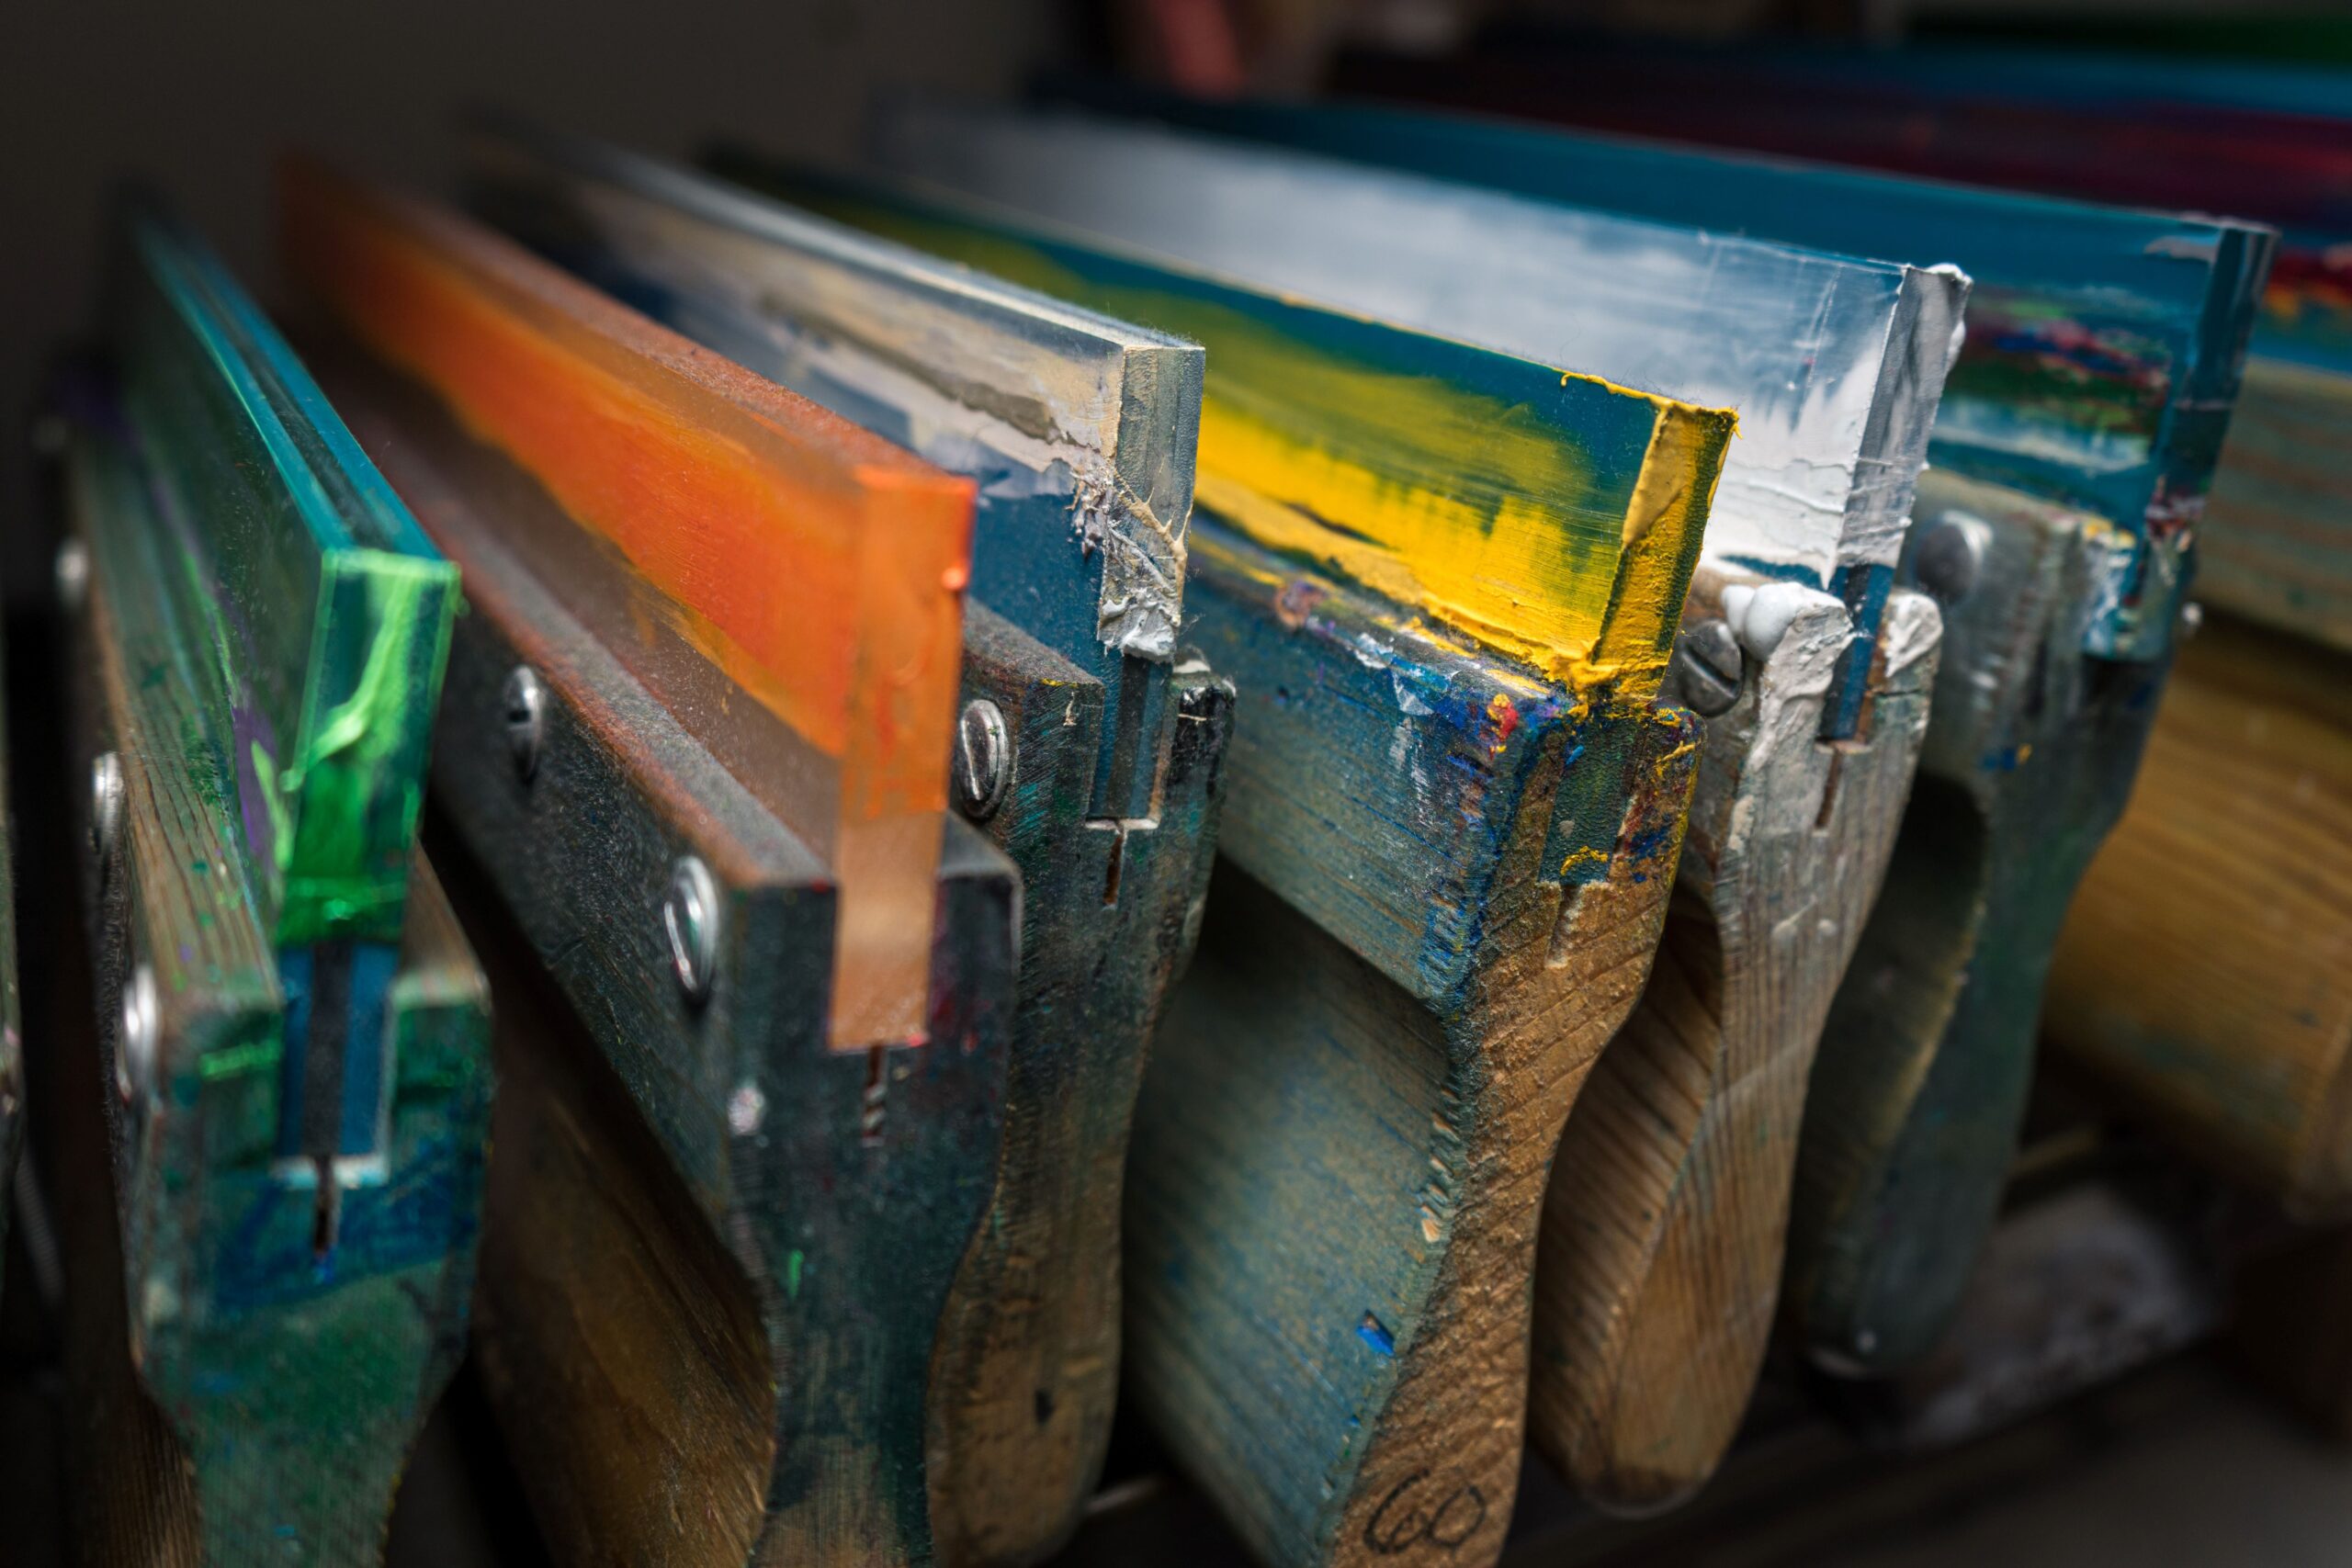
(2104, 346)
(292, 1332)
(1920, 1089)
(839, 1189)
(1337, 1158)
(1080, 428)
(324, 611)
(1835, 365)
(1461, 869)
(1027, 1375)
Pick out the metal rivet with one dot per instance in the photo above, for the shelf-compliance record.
(983, 758)
(134, 1057)
(71, 571)
(105, 805)
(1709, 662)
(690, 916)
(527, 719)
(1950, 557)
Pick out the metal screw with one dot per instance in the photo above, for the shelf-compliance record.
(983, 758)
(105, 805)
(1950, 557)
(690, 916)
(527, 719)
(134, 1057)
(1710, 666)
(71, 571)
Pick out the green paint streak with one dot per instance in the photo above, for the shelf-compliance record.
(792, 1262)
(256, 1055)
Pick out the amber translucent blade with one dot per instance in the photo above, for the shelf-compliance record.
(819, 568)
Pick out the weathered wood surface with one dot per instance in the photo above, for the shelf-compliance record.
(293, 1277)
(2205, 971)
(2276, 546)
(1917, 1092)
(2104, 345)
(711, 1286)
(1443, 880)
(1080, 430)
(818, 568)
(1659, 1268)
(1026, 1374)
(1337, 1169)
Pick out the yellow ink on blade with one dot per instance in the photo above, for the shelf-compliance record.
(1461, 504)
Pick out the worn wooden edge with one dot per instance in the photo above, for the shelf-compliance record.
(1919, 1087)
(1666, 1212)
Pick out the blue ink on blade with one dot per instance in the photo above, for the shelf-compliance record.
(1372, 1333)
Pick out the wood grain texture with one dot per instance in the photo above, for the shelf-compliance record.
(1663, 1225)
(289, 1348)
(1338, 1159)
(2274, 548)
(2205, 973)
(1919, 1090)
(819, 568)
(1026, 1374)
(719, 1252)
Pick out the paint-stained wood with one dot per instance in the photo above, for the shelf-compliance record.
(820, 568)
(1080, 430)
(292, 1042)
(1337, 1176)
(2103, 345)
(2205, 971)
(1443, 881)
(1836, 364)
(279, 1370)
(1027, 1375)
(1919, 1087)
(1659, 1268)
(1500, 496)
(1665, 1233)
(719, 1253)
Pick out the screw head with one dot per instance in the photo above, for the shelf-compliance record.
(527, 719)
(2192, 619)
(983, 760)
(105, 805)
(1710, 667)
(690, 917)
(1950, 557)
(71, 572)
(135, 1057)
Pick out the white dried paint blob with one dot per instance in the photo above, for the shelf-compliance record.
(1914, 628)
(1761, 615)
